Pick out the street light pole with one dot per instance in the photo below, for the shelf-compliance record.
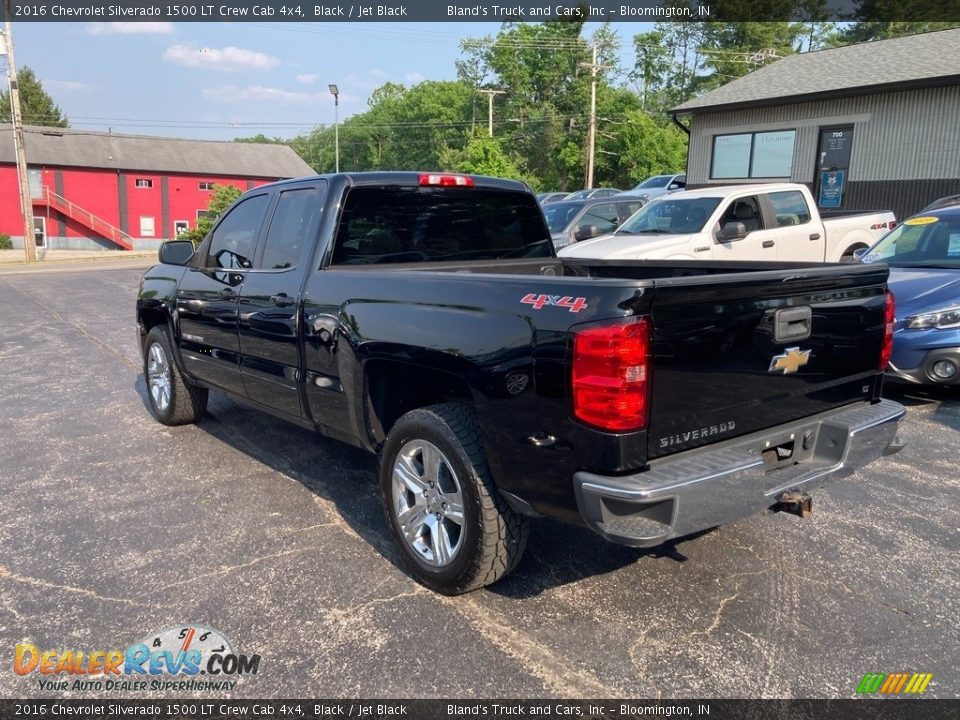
(335, 91)
(26, 202)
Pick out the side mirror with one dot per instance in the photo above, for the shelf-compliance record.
(585, 233)
(673, 186)
(176, 252)
(733, 231)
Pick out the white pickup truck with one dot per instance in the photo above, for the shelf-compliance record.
(740, 222)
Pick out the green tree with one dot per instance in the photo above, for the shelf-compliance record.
(36, 106)
(222, 197)
(482, 155)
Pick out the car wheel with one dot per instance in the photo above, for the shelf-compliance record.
(172, 399)
(455, 530)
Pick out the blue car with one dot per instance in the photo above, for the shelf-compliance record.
(924, 258)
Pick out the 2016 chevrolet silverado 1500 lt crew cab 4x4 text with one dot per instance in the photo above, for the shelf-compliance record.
(425, 317)
(741, 222)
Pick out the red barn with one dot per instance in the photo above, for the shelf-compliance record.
(103, 190)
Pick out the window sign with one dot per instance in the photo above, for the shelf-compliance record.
(773, 154)
(831, 189)
(731, 156)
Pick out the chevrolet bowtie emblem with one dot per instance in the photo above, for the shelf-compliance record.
(790, 361)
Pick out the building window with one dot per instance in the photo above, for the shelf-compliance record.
(204, 185)
(143, 183)
(147, 226)
(179, 227)
(753, 155)
(201, 214)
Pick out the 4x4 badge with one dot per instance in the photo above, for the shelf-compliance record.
(790, 361)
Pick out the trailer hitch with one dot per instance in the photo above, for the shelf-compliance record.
(795, 503)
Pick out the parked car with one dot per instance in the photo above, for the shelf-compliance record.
(943, 202)
(425, 318)
(592, 193)
(741, 222)
(550, 197)
(571, 221)
(923, 253)
(659, 185)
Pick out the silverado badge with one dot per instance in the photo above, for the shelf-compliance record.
(790, 361)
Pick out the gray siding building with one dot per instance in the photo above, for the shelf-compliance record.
(868, 126)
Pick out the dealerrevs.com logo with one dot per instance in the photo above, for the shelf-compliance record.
(183, 652)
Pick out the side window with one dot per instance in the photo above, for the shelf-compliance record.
(603, 217)
(743, 210)
(233, 239)
(288, 229)
(681, 180)
(790, 208)
(630, 208)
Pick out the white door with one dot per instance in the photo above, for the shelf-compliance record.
(801, 238)
(760, 242)
(40, 231)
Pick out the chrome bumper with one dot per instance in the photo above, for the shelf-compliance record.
(703, 488)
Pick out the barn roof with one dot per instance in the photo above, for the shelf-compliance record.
(913, 61)
(63, 147)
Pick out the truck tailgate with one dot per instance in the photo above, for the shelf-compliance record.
(734, 354)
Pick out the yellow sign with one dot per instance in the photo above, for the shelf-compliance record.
(925, 220)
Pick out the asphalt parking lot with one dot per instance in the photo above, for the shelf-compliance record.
(113, 526)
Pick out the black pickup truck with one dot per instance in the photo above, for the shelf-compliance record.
(426, 318)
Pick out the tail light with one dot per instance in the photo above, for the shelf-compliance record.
(611, 375)
(892, 224)
(439, 180)
(889, 314)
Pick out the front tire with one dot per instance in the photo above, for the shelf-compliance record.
(454, 529)
(172, 399)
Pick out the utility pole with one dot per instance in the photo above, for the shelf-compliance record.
(490, 94)
(591, 142)
(26, 202)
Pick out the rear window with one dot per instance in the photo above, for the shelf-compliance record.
(400, 225)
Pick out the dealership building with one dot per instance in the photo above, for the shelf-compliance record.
(103, 190)
(866, 126)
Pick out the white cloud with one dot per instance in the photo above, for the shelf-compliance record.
(414, 78)
(67, 86)
(377, 73)
(231, 93)
(130, 28)
(227, 59)
(306, 79)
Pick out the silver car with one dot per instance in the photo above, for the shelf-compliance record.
(654, 187)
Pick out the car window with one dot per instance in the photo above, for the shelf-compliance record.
(657, 181)
(560, 214)
(926, 240)
(671, 214)
(681, 180)
(630, 208)
(744, 210)
(790, 208)
(233, 239)
(288, 229)
(402, 225)
(603, 217)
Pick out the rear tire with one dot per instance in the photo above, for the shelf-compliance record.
(172, 399)
(454, 529)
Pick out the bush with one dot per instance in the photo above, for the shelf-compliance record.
(5, 242)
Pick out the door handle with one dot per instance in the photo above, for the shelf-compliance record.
(814, 236)
(768, 243)
(228, 294)
(281, 300)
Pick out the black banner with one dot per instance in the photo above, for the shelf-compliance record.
(481, 10)
(212, 709)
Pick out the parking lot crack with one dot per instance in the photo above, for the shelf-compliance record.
(227, 569)
(6, 574)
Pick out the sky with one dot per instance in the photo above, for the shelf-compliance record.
(224, 80)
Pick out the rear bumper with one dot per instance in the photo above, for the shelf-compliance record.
(703, 488)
